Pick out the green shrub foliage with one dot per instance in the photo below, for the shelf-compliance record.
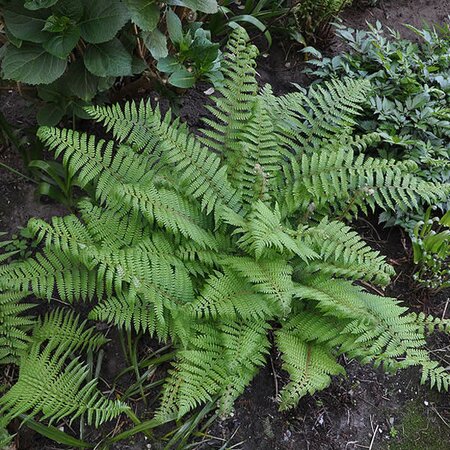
(74, 50)
(408, 105)
(214, 242)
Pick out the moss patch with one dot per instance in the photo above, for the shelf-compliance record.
(420, 429)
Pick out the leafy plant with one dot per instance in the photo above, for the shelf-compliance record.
(196, 57)
(75, 50)
(211, 242)
(431, 247)
(313, 17)
(408, 105)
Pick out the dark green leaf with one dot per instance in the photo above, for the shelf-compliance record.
(108, 59)
(182, 78)
(12, 39)
(50, 115)
(138, 65)
(62, 44)
(24, 24)
(81, 83)
(174, 27)
(156, 43)
(39, 4)
(102, 19)
(69, 8)
(54, 434)
(32, 64)
(144, 13)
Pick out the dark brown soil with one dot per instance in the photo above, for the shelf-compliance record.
(367, 409)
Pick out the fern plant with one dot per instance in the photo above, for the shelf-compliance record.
(212, 242)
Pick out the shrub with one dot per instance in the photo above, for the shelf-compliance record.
(212, 243)
(74, 50)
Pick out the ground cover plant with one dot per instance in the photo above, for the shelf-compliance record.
(431, 247)
(408, 105)
(215, 243)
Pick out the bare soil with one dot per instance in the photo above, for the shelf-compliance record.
(367, 409)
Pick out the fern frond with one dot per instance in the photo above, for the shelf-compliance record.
(324, 112)
(310, 367)
(198, 170)
(65, 326)
(384, 333)
(229, 296)
(335, 178)
(234, 106)
(13, 326)
(46, 272)
(343, 253)
(168, 209)
(271, 277)
(263, 230)
(91, 160)
(219, 361)
(52, 383)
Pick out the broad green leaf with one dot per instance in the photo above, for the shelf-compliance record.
(206, 6)
(12, 39)
(174, 27)
(110, 59)
(156, 42)
(81, 83)
(182, 78)
(169, 64)
(102, 19)
(24, 24)
(39, 4)
(144, 13)
(69, 8)
(50, 115)
(32, 64)
(62, 44)
(138, 65)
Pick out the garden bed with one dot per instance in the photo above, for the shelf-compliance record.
(366, 409)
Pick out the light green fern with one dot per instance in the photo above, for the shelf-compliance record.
(213, 243)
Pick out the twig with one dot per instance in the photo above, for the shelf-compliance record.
(445, 308)
(373, 437)
(275, 379)
(443, 420)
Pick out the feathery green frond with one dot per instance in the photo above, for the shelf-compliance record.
(51, 382)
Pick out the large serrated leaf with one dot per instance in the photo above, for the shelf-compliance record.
(144, 13)
(206, 6)
(82, 83)
(102, 19)
(39, 4)
(24, 24)
(110, 59)
(156, 43)
(32, 64)
(63, 43)
(182, 78)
